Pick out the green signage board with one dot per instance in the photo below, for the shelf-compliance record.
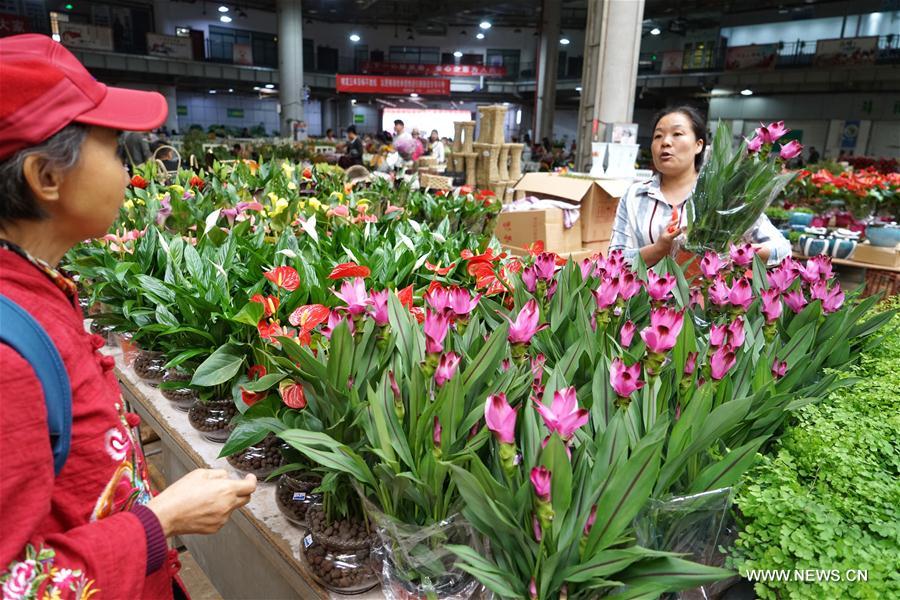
(182, 110)
(235, 113)
(359, 119)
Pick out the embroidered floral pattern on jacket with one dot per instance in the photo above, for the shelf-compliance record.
(26, 578)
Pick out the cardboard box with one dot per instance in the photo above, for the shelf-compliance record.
(598, 198)
(577, 255)
(523, 228)
(599, 246)
(876, 255)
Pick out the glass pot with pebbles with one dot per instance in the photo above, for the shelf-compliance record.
(261, 458)
(338, 552)
(150, 366)
(295, 495)
(175, 388)
(213, 417)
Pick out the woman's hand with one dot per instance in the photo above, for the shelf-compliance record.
(655, 252)
(201, 501)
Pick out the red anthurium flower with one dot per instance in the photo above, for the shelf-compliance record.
(292, 394)
(349, 269)
(270, 303)
(536, 248)
(406, 296)
(251, 398)
(438, 269)
(196, 182)
(284, 277)
(139, 182)
(307, 173)
(341, 210)
(256, 371)
(465, 189)
(309, 316)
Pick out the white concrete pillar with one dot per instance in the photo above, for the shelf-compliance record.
(611, 50)
(290, 64)
(171, 123)
(548, 61)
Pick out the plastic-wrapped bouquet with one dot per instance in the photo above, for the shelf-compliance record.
(736, 186)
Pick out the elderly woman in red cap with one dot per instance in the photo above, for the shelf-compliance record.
(78, 516)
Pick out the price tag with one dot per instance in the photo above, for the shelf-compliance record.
(300, 496)
(307, 541)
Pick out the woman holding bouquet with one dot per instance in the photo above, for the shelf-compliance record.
(650, 219)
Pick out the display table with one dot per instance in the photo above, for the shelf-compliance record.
(876, 278)
(257, 553)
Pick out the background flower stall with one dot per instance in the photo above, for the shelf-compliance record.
(442, 419)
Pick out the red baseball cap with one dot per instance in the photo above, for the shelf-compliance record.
(43, 88)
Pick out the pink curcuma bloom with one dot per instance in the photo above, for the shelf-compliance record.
(380, 307)
(461, 302)
(629, 285)
(592, 518)
(438, 298)
(736, 333)
(538, 534)
(832, 299)
(606, 294)
(627, 333)
(537, 367)
(771, 304)
(741, 294)
(545, 265)
(816, 269)
(532, 590)
(335, 318)
(722, 360)
(165, 209)
(436, 432)
(795, 300)
(742, 255)
(690, 364)
(710, 265)
(660, 286)
(782, 277)
(718, 335)
(437, 324)
(500, 418)
(446, 368)
(755, 144)
(541, 480)
(665, 325)
(779, 369)
(529, 278)
(791, 150)
(625, 380)
(353, 293)
(526, 324)
(587, 266)
(563, 416)
(719, 291)
(772, 132)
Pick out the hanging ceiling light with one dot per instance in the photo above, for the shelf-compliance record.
(564, 41)
(223, 9)
(354, 38)
(458, 54)
(480, 36)
(225, 19)
(485, 25)
(655, 31)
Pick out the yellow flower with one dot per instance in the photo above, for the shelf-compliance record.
(315, 204)
(177, 190)
(292, 185)
(280, 207)
(140, 202)
(301, 204)
(338, 195)
(129, 205)
(288, 168)
(273, 197)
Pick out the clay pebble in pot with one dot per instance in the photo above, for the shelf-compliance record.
(338, 554)
(104, 331)
(182, 398)
(260, 459)
(294, 496)
(150, 366)
(213, 419)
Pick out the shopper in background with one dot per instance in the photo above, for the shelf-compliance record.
(354, 151)
(399, 130)
(651, 218)
(813, 156)
(94, 528)
(137, 147)
(437, 147)
(329, 136)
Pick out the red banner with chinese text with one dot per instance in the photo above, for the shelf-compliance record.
(387, 68)
(373, 84)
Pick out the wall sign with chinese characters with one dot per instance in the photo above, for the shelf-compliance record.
(374, 84)
(386, 68)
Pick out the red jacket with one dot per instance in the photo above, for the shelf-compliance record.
(86, 531)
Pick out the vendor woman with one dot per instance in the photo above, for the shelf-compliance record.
(94, 528)
(650, 219)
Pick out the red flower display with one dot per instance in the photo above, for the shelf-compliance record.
(284, 277)
(139, 182)
(349, 269)
(270, 303)
(196, 182)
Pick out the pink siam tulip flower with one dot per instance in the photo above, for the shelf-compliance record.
(461, 302)
(438, 298)
(541, 480)
(545, 265)
(629, 285)
(781, 277)
(736, 333)
(538, 534)
(772, 132)
(665, 325)
(660, 286)
(353, 293)
(718, 335)
(623, 379)
(710, 265)
(825, 268)
(696, 298)
(592, 518)
(504, 365)
(606, 294)
(335, 318)
(563, 416)
(741, 293)
(446, 368)
(627, 333)
(436, 433)
(529, 278)
(395, 389)
(795, 300)
(587, 267)
(690, 364)
(791, 150)
(500, 418)
(771, 304)
(718, 292)
(532, 590)
(165, 209)
(380, 307)
(537, 367)
(755, 144)
(722, 360)
(742, 255)
(832, 299)
(526, 324)
(437, 324)
(779, 369)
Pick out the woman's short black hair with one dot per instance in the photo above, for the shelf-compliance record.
(698, 125)
(350, 129)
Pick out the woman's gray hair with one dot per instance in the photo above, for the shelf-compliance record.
(61, 152)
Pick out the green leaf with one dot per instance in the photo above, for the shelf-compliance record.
(607, 562)
(729, 470)
(219, 368)
(250, 314)
(486, 572)
(249, 432)
(263, 383)
(668, 574)
(487, 359)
